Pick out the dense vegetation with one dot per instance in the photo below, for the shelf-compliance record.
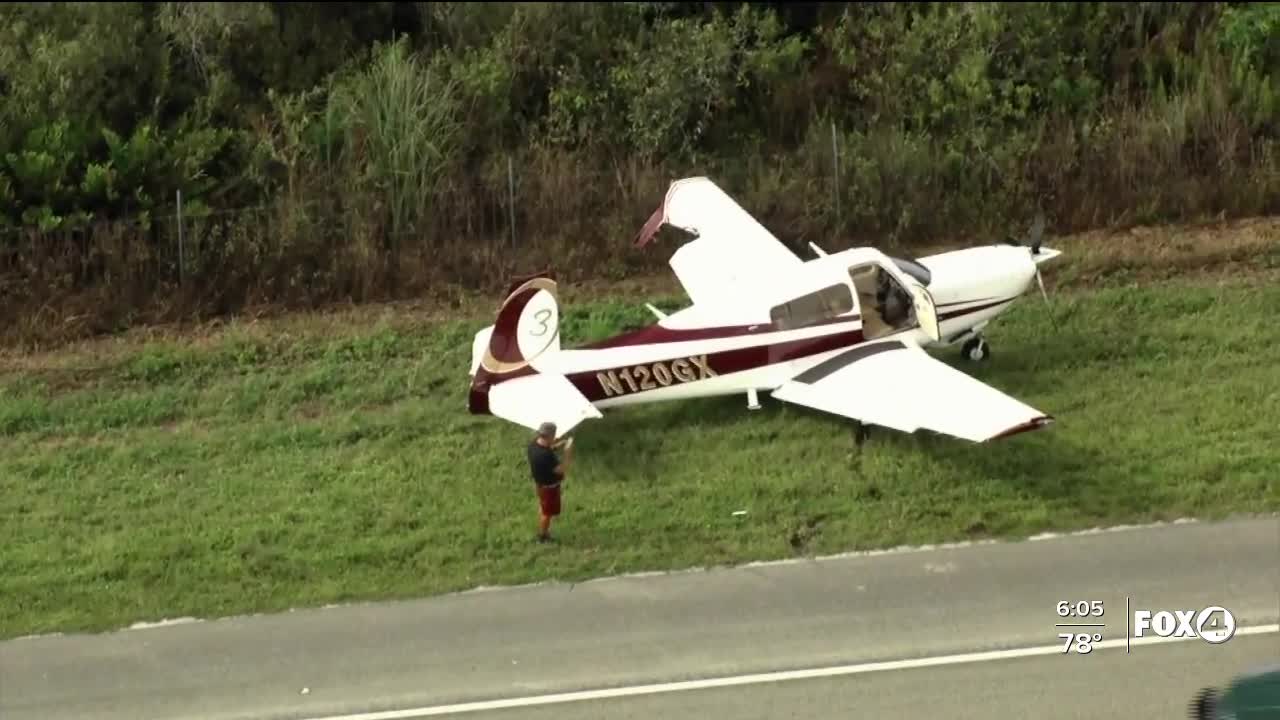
(367, 150)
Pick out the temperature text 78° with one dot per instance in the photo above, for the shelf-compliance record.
(1083, 642)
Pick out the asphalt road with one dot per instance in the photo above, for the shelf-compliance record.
(1104, 685)
(522, 642)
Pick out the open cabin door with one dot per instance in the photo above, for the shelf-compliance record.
(926, 311)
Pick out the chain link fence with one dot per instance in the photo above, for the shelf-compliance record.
(471, 234)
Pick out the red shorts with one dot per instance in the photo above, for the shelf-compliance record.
(549, 499)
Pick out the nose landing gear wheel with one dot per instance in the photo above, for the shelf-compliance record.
(976, 350)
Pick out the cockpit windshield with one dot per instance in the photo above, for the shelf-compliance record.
(914, 269)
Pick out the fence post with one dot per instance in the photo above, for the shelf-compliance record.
(835, 171)
(511, 199)
(181, 254)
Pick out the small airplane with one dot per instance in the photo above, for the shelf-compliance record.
(845, 333)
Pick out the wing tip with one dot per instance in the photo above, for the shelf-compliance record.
(1036, 423)
(659, 217)
(651, 226)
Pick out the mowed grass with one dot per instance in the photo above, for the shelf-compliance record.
(257, 470)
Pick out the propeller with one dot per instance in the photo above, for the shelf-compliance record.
(1035, 238)
(1040, 282)
(1037, 234)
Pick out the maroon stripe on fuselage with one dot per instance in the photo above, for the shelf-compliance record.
(978, 308)
(656, 334)
(724, 362)
(963, 302)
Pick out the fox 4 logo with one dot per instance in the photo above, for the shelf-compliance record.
(1215, 625)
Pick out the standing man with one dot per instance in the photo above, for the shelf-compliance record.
(548, 472)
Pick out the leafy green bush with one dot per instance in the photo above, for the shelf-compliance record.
(368, 150)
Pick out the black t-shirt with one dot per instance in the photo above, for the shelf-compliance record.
(542, 463)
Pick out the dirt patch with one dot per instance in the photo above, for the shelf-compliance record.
(1241, 248)
(56, 378)
(311, 409)
(58, 442)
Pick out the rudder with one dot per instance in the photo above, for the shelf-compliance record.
(525, 332)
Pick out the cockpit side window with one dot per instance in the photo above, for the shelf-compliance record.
(827, 303)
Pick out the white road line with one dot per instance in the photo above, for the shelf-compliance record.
(758, 678)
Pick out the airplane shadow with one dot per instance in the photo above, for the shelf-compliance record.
(648, 442)
(1033, 462)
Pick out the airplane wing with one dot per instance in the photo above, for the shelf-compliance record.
(534, 399)
(898, 385)
(733, 256)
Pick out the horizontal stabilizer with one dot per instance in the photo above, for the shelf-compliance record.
(534, 399)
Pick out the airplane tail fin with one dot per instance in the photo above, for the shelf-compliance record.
(524, 335)
(511, 375)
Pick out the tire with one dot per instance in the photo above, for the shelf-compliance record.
(976, 350)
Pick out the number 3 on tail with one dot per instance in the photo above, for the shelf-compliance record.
(543, 316)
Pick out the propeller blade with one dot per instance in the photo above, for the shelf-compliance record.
(1037, 234)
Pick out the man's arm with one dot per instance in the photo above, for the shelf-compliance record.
(563, 465)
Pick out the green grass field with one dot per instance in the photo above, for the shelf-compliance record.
(265, 467)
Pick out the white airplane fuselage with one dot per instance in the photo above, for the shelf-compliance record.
(702, 352)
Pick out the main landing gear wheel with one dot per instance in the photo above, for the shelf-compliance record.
(976, 350)
(860, 433)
